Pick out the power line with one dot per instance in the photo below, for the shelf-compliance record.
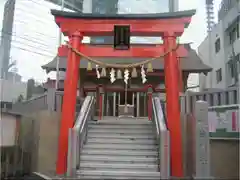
(39, 3)
(12, 41)
(13, 45)
(33, 15)
(27, 39)
(24, 38)
(21, 48)
(25, 12)
(28, 13)
(23, 22)
(69, 4)
(32, 47)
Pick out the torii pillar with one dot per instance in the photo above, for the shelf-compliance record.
(69, 101)
(171, 70)
(169, 26)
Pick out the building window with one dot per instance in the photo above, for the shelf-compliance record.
(234, 66)
(231, 68)
(219, 75)
(217, 45)
(234, 33)
(238, 63)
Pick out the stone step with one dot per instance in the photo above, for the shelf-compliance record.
(113, 121)
(111, 178)
(118, 159)
(125, 126)
(119, 148)
(118, 167)
(120, 140)
(120, 131)
(122, 146)
(119, 152)
(121, 136)
(117, 174)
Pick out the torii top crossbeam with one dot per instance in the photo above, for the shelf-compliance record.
(140, 24)
(166, 25)
(150, 25)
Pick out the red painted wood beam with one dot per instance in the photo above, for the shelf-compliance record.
(104, 27)
(134, 51)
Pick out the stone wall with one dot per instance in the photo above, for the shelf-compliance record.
(43, 140)
(224, 153)
(47, 141)
(224, 158)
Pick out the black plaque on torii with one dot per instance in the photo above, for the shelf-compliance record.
(121, 37)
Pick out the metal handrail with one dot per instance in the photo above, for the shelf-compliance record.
(82, 113)
(163, 139)
(78, 134)
(160, 114)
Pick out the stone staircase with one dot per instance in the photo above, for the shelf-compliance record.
(120, 148)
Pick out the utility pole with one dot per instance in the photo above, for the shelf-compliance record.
(59, 43)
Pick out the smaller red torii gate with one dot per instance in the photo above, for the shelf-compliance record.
(167, 25)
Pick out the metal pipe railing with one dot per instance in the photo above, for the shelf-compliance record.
(78, 134)
(163, 138)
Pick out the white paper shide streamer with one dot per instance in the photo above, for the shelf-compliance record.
(126, 76)
(97, 72)
(143, 74)
(112, 76)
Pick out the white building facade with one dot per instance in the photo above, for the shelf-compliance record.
(221, 48)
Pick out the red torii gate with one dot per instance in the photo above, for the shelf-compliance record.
(167, 25)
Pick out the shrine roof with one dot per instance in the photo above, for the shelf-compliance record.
(166, 15)
(191, 64)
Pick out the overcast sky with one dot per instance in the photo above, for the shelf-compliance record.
(35, 36)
